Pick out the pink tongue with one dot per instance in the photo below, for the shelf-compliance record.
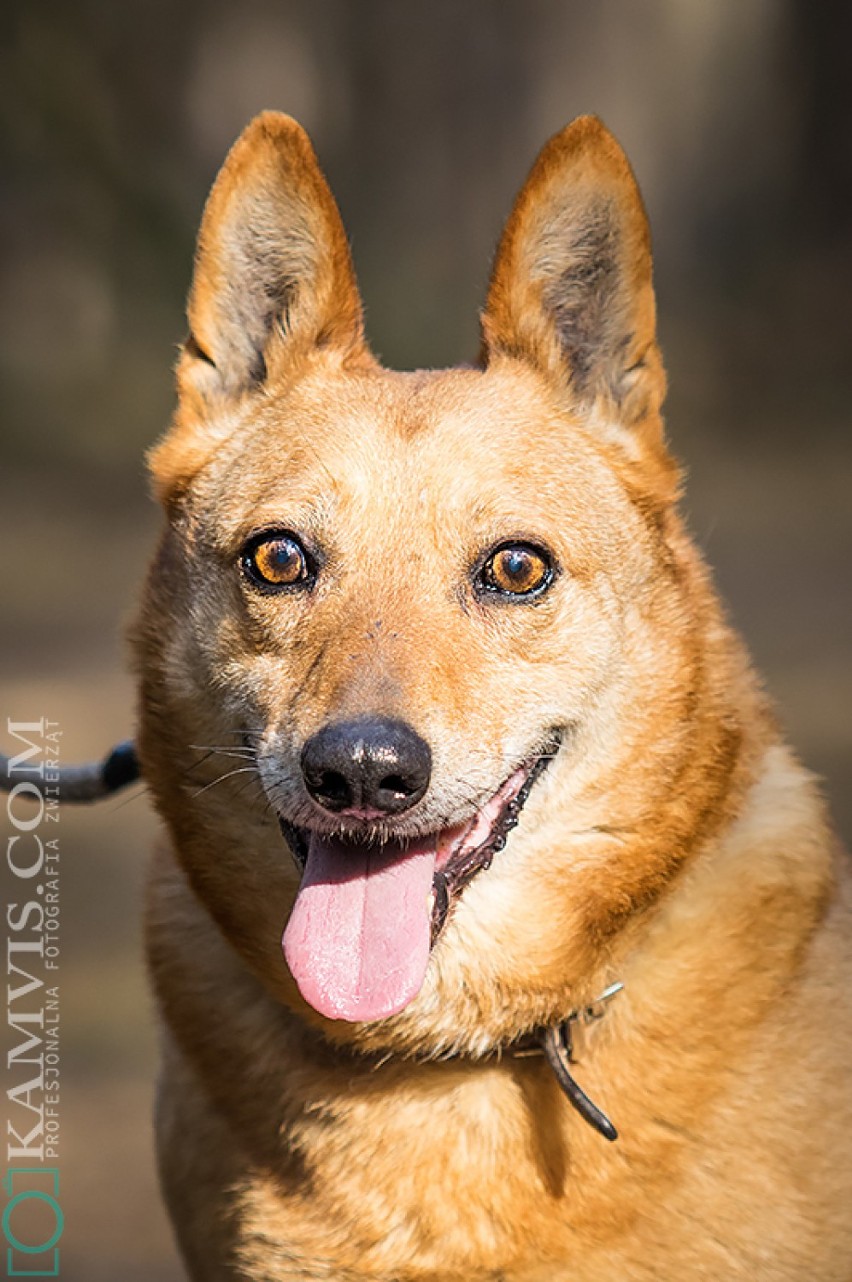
(357, 942)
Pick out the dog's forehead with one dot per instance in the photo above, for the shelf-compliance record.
(492, 447)
(426, 422)
(413, 406)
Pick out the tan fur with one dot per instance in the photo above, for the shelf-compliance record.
(674, 844)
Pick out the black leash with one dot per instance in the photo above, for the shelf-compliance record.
(91, 782)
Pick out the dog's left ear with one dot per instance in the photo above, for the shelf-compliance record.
(571, 290)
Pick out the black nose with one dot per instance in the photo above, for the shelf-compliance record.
(372, 764)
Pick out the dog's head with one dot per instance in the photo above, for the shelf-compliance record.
(432, 644)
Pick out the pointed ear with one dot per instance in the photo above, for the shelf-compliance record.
(273, 273)
(571, 288)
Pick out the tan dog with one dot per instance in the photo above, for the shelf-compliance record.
(392, 616)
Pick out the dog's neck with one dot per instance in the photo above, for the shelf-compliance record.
(563, 1045)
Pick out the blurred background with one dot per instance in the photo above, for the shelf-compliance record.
(737, 116)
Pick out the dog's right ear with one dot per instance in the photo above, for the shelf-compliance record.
(273, 274)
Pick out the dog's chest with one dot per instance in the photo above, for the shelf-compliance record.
(453, 1174)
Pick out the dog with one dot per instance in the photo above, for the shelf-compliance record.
(497, 934)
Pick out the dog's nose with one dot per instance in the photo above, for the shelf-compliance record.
(374, 766)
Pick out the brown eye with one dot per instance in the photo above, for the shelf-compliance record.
(517, 570)
(277, 561)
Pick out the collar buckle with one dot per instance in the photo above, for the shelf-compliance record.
(581, 1021)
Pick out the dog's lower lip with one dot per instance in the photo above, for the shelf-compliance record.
(464, 864)
(457, 864)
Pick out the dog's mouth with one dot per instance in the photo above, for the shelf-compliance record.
(368, 912)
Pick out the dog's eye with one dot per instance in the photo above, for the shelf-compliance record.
(277, 561)
(516, 570)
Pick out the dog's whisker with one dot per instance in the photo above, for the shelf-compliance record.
(221, 779)
(243, 732)
(223, 751)
(241, 789)
(132, 796)
(194, 765)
